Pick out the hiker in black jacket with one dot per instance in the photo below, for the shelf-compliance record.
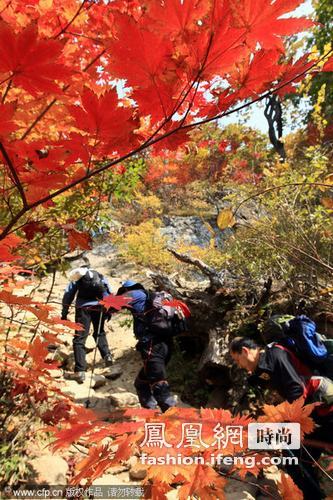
(89, 287)
(276, 367)
(151, 382)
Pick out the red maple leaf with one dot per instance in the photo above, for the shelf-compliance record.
(77, 239)
(6, 124)
(288, 489)
(205, 483)
(8, 246)
(66, 437)
(116, 302)
(32, 228)
(144, 59)
(182, 17)
(174, 140)
(30, 62)
(38, 351)
(103, 118)
(262, 21)
(291, 412)
(292, 73)
(254, 75)
(93, 466)
(59, 412)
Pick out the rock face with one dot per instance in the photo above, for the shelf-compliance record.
(138, 472)
(123, 399)
(236, 490)
(192, 231)
(50, 469)
(113, 372)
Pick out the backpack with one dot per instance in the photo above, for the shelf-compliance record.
(91, 286)
(162, 319)
(316, 389)
(298, 333)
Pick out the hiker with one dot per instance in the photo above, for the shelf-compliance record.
(277, 367)
(89, 287)
(155, 348)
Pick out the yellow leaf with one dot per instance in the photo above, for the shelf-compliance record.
(325, 291)
(268, 172)
(45, 5)
(327, 202)
(225, 219)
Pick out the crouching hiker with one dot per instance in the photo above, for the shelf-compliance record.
(89, 287)
(154, 326)
(277, 367)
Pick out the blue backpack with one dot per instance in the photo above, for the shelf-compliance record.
(306, 341)
(297, 333)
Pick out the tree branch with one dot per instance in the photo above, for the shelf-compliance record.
(259, 98)
(14, 175)
(145, 145)
(77, 13)
(275, 188)
(215, 277)
(49, 106)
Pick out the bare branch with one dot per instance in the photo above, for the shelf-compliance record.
(215, 277)
(77, 13)
(275, 188)
(14, 175)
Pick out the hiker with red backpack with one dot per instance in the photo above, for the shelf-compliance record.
(295, 362)
(89, 287)
(155, 324)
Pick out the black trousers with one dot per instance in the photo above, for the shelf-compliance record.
(151, 382)
(86, 316)
(305, 475)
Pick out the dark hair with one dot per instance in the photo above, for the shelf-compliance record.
(238, 343)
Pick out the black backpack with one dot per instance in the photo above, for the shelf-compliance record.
(91, 287)
(162, 319)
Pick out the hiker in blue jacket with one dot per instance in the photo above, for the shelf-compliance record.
(89, 287)
(151, 384)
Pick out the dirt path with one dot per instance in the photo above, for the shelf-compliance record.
(119, 334)
(126, 361)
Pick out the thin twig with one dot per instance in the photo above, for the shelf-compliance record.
(6, 91)
(316, 463)
(275, 188)
(77, 13)
(49, 106)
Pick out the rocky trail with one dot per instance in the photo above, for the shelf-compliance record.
(107, 388)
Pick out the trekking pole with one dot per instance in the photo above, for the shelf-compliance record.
(305, 473)
(88, 402)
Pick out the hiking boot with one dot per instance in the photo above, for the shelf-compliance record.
(161, 393)
(108, 361)
(145, 395)
(79, 377)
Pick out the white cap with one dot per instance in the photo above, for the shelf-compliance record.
(78, 273)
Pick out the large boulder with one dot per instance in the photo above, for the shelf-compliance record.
(124, 399)
(50, 470)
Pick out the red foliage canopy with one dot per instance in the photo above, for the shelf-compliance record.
(66, 117)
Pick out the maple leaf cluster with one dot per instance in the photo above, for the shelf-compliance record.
(85, 85)
(196, 478)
